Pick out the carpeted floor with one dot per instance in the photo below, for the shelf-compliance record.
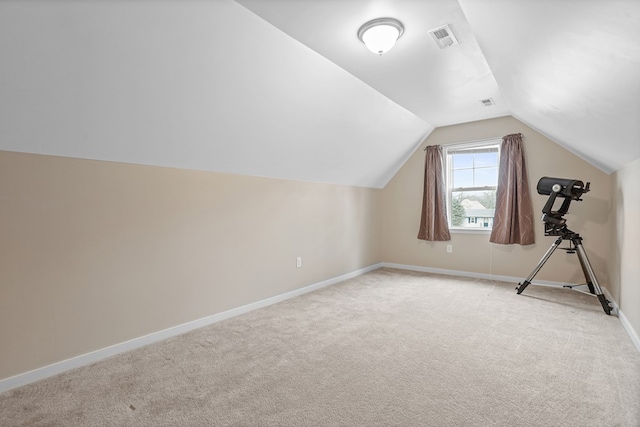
(388, 348)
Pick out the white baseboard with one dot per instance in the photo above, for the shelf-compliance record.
(615, 311)
(469, 274)
(95, 356)
(627, 327)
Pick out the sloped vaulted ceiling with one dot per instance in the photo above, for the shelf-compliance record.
(570, 69)
(283, 88)
(191, 84)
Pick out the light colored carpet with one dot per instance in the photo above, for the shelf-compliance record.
(388, 348)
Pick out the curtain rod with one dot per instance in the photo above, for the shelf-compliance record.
(480, 140)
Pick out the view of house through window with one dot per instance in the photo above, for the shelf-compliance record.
(472, 179)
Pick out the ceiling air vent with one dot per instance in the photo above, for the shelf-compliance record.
(488, 102)
(443, 36)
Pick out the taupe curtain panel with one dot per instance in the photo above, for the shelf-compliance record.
(433, 222)
(513, 220)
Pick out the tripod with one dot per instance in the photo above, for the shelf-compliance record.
(564, 233)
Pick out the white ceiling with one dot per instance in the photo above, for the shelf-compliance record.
(283, 88)
(441, 86)
(568, 68)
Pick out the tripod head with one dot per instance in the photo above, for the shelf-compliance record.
(569, 190)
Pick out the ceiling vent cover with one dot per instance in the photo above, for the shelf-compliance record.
(443, 36)
(488, 102)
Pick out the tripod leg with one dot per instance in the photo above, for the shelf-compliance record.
(591, 278)
(587, 276)
(522, 286)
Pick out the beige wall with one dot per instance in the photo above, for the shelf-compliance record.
(402, 199)
(624, 266)
(96, 253)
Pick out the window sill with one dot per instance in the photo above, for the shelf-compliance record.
(469, 231)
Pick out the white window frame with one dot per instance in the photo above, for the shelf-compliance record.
(448, 151)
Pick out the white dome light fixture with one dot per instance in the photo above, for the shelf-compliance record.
(380, 35)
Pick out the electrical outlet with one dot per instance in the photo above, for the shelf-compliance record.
(299, 262)
(449, 248)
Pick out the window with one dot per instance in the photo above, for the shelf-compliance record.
(472, 179)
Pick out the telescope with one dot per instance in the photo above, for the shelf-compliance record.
(569, 190)
(556, 225)
(566, 188)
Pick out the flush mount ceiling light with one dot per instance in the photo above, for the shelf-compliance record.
(380, 35)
